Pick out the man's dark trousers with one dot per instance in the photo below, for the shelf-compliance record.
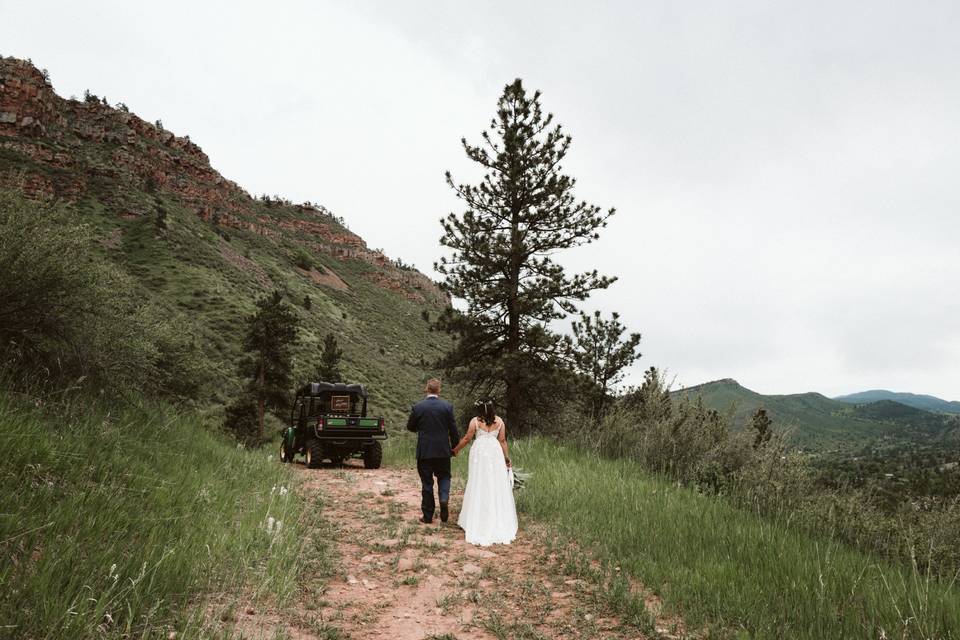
(436, 428)
(428, 468)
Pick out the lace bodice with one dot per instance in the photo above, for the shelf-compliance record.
(488, 434)
(482, 431)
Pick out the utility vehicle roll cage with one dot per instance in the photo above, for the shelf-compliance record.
(325, 398)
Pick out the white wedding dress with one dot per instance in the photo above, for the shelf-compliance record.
(489, 514)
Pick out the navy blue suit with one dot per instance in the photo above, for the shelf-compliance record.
(433, 421)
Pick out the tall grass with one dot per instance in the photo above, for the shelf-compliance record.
(714, 564)
(119, 523)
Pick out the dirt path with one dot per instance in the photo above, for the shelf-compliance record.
(398, 579)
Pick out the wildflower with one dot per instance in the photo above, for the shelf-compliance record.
(270, 522)
(283, 491)
(278, 527)
(273, 489)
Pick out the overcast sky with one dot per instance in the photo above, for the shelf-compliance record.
(786, 173)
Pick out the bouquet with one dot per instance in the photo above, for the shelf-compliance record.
(517, 478)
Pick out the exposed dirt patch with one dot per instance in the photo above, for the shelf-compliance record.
(328, 278)
(246, 265)
(113, 240)
(403, 580)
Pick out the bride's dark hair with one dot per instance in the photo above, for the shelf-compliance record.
(484, 407)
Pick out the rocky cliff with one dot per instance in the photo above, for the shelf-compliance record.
(72, 149)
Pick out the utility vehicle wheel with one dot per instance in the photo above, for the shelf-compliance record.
(314, 454)
(285, 456)
(373, 456)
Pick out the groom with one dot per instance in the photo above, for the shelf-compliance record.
(436, 428)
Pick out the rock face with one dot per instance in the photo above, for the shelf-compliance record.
(89, 140)
(71, 149)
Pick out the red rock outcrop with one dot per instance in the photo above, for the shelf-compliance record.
(70, 149)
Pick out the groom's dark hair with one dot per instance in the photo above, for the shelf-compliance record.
(485, 410)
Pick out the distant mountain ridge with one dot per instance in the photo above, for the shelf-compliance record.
(819, 422)
(915, 400)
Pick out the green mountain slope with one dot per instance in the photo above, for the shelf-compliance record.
(818, 422)
(203, 248)
(917, 401)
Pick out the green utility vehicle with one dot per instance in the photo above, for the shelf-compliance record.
(329, 422)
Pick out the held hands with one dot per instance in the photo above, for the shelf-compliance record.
(507, 460)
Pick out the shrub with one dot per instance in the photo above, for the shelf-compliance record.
(68, 313)
(304, 260)
(240, 419)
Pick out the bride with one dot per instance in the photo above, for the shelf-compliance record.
(488, 515)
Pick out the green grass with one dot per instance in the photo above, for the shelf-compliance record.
(120, 523)
(719, 567)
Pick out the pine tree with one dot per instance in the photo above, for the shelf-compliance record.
(271, 337)
(599, 352)
(762, 425)
(503, 245)
(329, 368)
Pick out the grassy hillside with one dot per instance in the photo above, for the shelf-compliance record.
(818, 422)
(917, 401)
(215, 282)
(204, 250)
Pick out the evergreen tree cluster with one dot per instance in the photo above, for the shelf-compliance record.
(270, 343)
